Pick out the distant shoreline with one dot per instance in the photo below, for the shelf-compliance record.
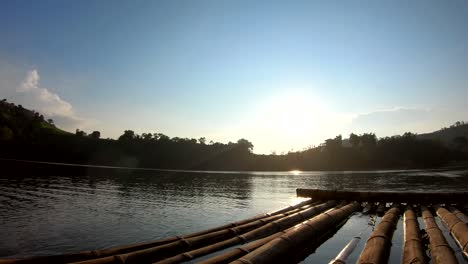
(443, 168)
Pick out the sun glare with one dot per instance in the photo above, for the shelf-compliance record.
(292, 121)
(295, 172)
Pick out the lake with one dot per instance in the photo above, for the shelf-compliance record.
(49, 209)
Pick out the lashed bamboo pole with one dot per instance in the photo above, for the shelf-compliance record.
(459, 214)
(413, 251)
(440, 250)
(400, 197)
(164, 251)
(266, 230)
(377, 248)
(458, 229)
(236, 253)
(87, 255)
(282, 247)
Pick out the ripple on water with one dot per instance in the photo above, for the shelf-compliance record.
(60, 214)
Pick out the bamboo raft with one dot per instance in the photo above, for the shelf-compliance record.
(291, 234)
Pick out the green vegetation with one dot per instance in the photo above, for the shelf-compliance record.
(24, 134)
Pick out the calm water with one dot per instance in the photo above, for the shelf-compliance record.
(62, 212)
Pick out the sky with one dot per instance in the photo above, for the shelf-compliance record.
(286, 75)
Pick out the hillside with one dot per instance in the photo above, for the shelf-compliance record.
(21, 123)
(451, 136)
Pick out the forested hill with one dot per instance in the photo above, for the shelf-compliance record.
(17, 122)
(455, 135)
(25, 134)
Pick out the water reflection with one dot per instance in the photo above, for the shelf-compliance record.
(47, 209)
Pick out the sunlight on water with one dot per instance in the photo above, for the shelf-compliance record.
(296, 200)
(44, 214)
(295, 172)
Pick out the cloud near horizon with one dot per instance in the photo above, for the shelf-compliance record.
(31, 95)
(398, 120)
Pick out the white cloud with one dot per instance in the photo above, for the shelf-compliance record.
(398, 120)
(30, 82)
(31, 95)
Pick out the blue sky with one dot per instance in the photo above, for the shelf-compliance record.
(283, 74)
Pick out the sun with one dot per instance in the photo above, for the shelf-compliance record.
(292, 121)
(291, 115)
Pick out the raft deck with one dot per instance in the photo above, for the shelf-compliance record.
(290, 234)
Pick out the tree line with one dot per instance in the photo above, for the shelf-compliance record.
(25, 134)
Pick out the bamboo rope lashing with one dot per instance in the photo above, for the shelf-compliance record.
(238, 252)
(94, 254)
(174, 248)
(440, 250)
(400, 197)
(459, 214)
(309, 233)
(413, 251)
(266, 230)
(458, 229)
(377, 248)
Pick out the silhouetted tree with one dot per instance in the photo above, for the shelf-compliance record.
(80, 133)
(95, 134)
(128, 135)
(202, 140)
(354, 140)
(24, 134)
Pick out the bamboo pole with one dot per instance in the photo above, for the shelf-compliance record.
(458, 229)
(400, 197)
(377, 248)
(165, 251)
(236, 253)
(346, 251)
(459, 214)
(440, 250)
(282, 247)
(413, 251)
(93, 254)
(266, 230)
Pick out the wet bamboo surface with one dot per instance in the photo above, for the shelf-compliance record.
(440, 250)
(282, 247)
(236, 253)
(458, 229)
(459, 214)
(413, 250)
(346, 252)
(158, 253)
(395, 197)
(377, 248)
(266, 230)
